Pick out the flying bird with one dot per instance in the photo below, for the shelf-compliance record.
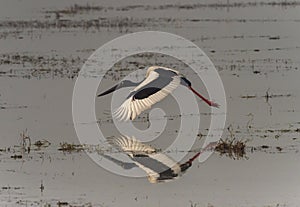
(159, 83)
(158, 166)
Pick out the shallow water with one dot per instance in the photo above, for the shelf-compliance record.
(254, 46)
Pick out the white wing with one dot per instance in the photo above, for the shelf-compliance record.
(132, 107)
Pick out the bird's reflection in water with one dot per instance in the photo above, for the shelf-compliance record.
(158, 166)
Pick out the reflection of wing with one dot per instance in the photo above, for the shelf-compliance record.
(131, 146)
(158, 166)
(159, 83)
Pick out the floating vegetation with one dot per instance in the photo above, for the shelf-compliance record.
(62, 203)
(16, 156)
(66, 147)
(55, 203)
(267, 96)
(26, 141)
(11, 187)
(274, 149)
(248, 96)
(98, 24)
(11, 106)
(3, 150)
(79, 9)
(42, 144)
(234, 149)
(23, 65)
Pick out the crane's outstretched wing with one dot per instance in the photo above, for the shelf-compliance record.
(159, 83)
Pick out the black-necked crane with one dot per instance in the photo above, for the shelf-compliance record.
(158, 166)
(159, 83)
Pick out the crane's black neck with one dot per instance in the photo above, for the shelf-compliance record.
(185, 82)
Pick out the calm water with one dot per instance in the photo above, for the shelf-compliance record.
(254, 45)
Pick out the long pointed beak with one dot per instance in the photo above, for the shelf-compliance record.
(210, 103)
(108, 91)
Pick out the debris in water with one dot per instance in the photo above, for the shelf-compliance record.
(234, 149)
(26, 141)
(42, 144)
(66, 147)
(16, 157)
(62, 203)
(42, 187)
